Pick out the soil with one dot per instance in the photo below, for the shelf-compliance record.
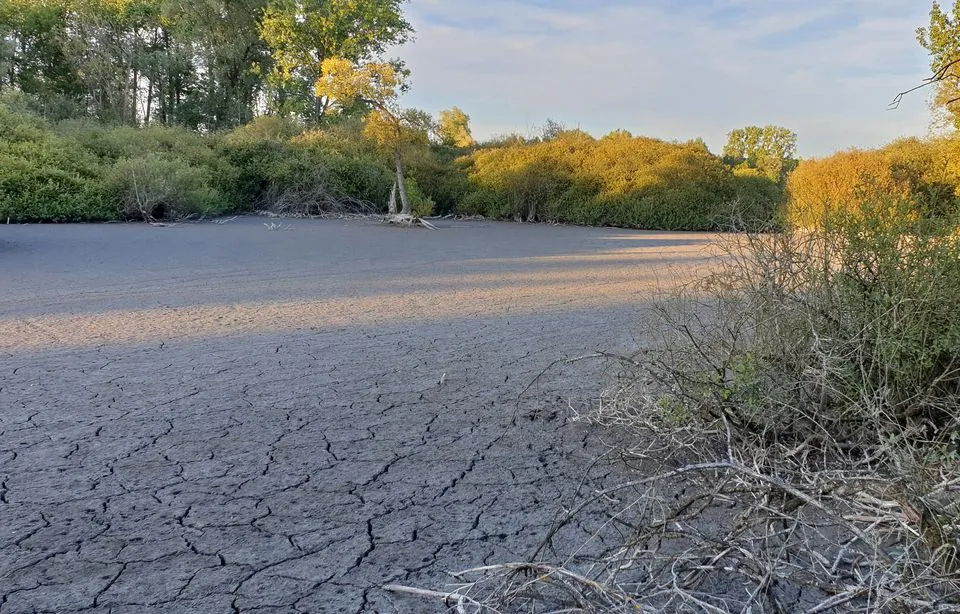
(225, 418)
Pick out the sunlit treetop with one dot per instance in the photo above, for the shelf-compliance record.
(375, 83)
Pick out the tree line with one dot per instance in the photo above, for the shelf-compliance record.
(114, 109)
(206, 65)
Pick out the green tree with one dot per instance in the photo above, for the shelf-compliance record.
(225, 61)
(771, 150)
(301, 34)
(32, 56)
(942, 40)
(453, 128)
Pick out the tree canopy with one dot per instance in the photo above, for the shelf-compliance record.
(453, 128)
(771, 150)
(209, 65)
(942, 40)
(342, 83)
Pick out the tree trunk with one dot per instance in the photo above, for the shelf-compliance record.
(146, 117)
(401, 184)
(392, 203)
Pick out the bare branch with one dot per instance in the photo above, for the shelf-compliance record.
(938, 76)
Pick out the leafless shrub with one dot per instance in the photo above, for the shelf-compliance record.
(312, 200)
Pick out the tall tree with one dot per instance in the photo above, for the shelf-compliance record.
(32, 55)
(772, 150)
(942, 40)
(204, 64)
(227, 57)
(302, 34)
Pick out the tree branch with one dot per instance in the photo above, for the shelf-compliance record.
(939, 75)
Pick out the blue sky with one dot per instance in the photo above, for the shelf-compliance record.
(826, 69)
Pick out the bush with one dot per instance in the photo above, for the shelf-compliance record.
(846, 326)
(758, 203)
(312, 173)
(420, 204)
(925, 173)
(441, 176)
(155, 187)
(805, 404)
(266, 128)
(179, 149)
(46, 177)
(619, 180)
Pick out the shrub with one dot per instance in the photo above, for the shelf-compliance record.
(266, 128)
(809, 390)
(847, 324)
(758, 203)
(619, 180)
(420, 204)
(312, 173)
(175, 145)
(925, 173)
(441, 176)
(154, 187)
(45, 177)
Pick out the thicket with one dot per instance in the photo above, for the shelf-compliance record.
(45, 176)
(923, 172)
(618, 180)
(82, 170)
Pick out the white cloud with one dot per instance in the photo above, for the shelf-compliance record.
(826, 69)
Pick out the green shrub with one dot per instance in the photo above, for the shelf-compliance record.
(189, 149)
(269, 128)
(312, 173)
(154, 187)
(441, 176)
(849, 328)
(46, 177)
(420, 204)
(758, 202)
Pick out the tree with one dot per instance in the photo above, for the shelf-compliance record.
(453, 128)
(214, 48)
(206, 64)
(137, 61)
(302, 34)
(942, 40)
(31, 51)
(551, 130)
(771, 150)
(376, 84)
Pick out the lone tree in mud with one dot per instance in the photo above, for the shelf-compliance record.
(376, 84)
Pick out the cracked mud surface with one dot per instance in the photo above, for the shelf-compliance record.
(218, 418)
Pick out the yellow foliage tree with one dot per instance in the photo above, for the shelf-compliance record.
(821, 186)
(618, 180)
(454, 128)
(376, 84)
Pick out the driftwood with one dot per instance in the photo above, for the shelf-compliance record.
(405, 219)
